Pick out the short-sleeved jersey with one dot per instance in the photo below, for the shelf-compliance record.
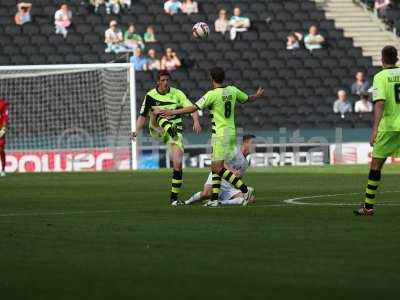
(173, 99)
(221, 102)
(3, 113)
(386, 87)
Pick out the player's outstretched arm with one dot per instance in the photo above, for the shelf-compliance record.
(196, 122)
(379, 107)
(259, 93)
(139, 127)
(174, 112)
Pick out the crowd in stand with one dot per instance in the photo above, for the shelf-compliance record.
(118, 41)
(235, 24)
(112, 6)
(313, 40)
(359, 90)
(387, 10)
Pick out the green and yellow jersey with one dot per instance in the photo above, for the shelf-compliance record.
(386, 87)
(221, 102)
(172, 99)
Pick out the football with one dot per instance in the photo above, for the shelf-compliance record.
(201, 30)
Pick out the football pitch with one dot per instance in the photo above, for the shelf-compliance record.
(114, 236)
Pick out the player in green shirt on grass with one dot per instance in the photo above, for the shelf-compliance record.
(385, 137)
(169, 131)
(221, 102)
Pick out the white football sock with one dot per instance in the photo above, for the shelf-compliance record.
(195, 198)
(234, 201)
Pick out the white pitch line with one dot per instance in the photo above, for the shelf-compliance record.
(287, 202)
(295, 201)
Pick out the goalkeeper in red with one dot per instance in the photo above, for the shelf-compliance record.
(385, 137)
(221, 102)
(3, 124)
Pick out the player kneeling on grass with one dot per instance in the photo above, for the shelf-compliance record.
(3, 123)
(230, 195)
(169, 131)
(385, 137)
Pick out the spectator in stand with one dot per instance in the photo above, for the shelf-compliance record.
(23, 14)
(381, 7)
(222, 23)
(132, 39)
(153, 63)
(172, 7)
(189, 7)
(170, 60)
(114, 39)
(63, 20)
(149, 36)
(127, 4)
(96, 4)
(139, 62)
(363, 105)
(293, 40)
(342, 105)
(313, 40)
(114, 6)
(361, 85)
(238, 23)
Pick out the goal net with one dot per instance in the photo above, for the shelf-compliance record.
(69, 117)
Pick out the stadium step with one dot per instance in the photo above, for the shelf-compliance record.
(357, 23)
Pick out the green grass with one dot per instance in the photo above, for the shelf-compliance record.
(113, 236)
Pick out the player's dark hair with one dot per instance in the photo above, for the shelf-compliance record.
(217, 74)
(162, 73)
(389, 55)
(248, 137)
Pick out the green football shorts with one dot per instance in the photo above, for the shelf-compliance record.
(223, 147)
(160, 135)
(387, 144)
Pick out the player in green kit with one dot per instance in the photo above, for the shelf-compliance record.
(166, 130)
(385, 137)
(221, 102)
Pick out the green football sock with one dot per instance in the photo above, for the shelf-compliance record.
(235, 181)
(372, 187)
(176, 184)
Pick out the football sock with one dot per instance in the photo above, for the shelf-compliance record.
(166, 125)
(234, 201)
(3, 160)
(216, 186)
(372, 187)
(196, 197)
(176, 184)
(232, 179)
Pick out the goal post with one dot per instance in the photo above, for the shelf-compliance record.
(74, 117)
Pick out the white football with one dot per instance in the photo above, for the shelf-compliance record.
(201, 30)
